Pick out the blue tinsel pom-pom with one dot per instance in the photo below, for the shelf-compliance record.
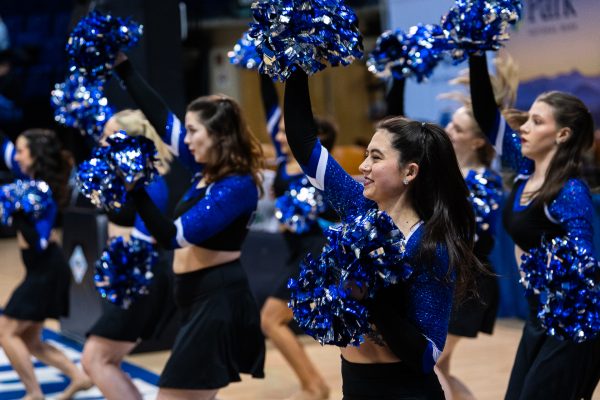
(415, 53)
(30, 196)
(567, 279)
(127, 158)
(304, 34)
(363, 256)
(124, 270)
(81, 104)
(132, 157)
(474, 26)
(96, 40)
(485, 195)
(299, 207)
(244, 53)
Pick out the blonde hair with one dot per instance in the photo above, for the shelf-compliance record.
(134, 122)
(505, 83)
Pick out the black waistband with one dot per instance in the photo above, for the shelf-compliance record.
(384, 381)
(190, 286)
(377, 370)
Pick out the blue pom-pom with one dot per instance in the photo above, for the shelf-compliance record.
(124, 270)
(30, 196)
(474, 26)
(415, 53)
(244, 53)
(299, 207)
(96, 40)
(305, 34)
(567, 279)
(365, 255)
(126, 159)
(98, 182)
(485, 195)
(81, 104)
(132, 157)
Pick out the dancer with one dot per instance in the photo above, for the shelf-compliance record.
(475, 155)
(548, 199)
(116, 333)
(308, 238)
(44, 293)
(220, 335)
(411, 173)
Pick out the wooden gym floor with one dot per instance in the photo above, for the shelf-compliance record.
(483, 364)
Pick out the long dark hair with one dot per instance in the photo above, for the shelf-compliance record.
(235, 149)
(569, 112)
(439, 195)
(51, 163)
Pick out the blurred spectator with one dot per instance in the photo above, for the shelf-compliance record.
(10, 112)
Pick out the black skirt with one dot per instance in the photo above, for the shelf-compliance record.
(548, 368)
(477, 314)
(388, 382)
(44, 293)
(220, 335)
(142, 320)
(298, 247)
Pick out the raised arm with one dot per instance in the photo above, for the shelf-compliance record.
(340, 190)
(394, 98)
(169, 127)
(270, 103)
(224, 202)
(7, 156)
(505, 140)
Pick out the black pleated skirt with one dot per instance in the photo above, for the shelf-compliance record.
(220, 335)
(477, 314)
(44, 293)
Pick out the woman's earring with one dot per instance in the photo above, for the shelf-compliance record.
(405, 181)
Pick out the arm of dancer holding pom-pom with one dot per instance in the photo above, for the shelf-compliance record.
(343, 193)
(168, 126)
(37, 232)
(222, 204)
(505, 140)
(419, 337)
(573, 210)
(272, 111)
(158, 192)
(7, 156)
(394, 98)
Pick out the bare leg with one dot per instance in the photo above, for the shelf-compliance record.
(18, 354)
(101, 360)
(454, 389)
(180, 394)
(50, 355)
(274, 318)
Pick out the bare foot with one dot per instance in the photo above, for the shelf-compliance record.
(74, 387)
(320, 392)
(34, 397)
